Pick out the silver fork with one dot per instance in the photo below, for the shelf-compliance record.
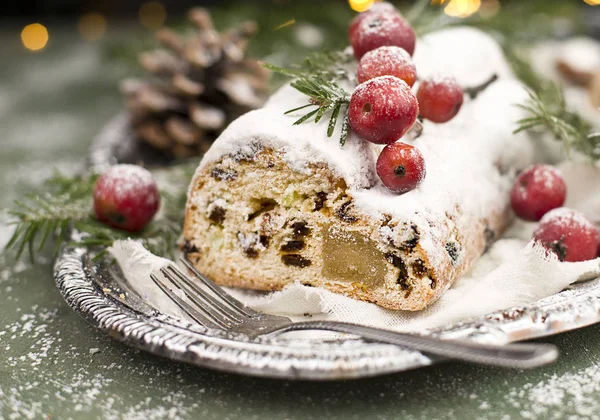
(212, 307)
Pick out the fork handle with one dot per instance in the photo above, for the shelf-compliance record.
(520, 356)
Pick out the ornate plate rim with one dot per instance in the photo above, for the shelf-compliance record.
(179, 340)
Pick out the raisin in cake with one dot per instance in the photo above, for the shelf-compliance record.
(272, 203)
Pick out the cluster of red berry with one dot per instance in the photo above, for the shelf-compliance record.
(383, 108)
(538, 195)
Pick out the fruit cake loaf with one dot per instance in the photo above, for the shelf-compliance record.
(272, 203)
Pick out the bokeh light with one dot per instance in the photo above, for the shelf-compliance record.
(152, 15)
(35, 36)
(92, 26)
(360, 5)
(462, 8)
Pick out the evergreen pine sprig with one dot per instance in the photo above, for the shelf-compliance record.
(330, 65)
(63, 212)
(40, 216)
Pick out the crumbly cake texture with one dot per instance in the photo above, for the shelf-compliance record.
(272, 204)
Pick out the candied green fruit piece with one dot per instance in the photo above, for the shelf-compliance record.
(292, 198)
(216, 240)
(350, 257)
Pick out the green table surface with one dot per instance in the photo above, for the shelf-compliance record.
(54, 365)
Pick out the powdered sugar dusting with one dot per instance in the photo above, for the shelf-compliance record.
(300, 145)
(467, 54)
(387, 55)
(564, 216)
(45, 374)
(250, 241)
(383, 24)
(392, 109)
(386, 60)
(575, 391)
(537, 190)
(127, 179)
(548, 176)
(389, 89)
(382, 28)
(382, 6)
(441, 79)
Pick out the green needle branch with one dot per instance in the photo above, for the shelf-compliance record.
(547, 110)
(316, 77)
(66, 204)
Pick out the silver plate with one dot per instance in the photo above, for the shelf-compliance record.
(94, 291)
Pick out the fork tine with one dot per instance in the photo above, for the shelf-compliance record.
(185, 307)
(230, 300)
(200, 297)
(192, 300)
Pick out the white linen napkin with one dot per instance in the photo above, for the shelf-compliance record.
(514, 272)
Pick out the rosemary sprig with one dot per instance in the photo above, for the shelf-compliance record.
(65, 204)
(548, 110)
(324, 96)
(316, 77)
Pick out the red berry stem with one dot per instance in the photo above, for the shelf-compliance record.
(474, 91)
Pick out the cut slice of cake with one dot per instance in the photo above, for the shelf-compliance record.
(272, 203)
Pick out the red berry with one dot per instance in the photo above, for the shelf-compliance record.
(379, 7)
(382, 109)
(379, 29)
(126, 197)
(537, 190)
(440, 99)
(568, 234)
(401, 167)
(387, 61)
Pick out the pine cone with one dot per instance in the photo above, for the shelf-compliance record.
(204, 82)
(583, 78)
